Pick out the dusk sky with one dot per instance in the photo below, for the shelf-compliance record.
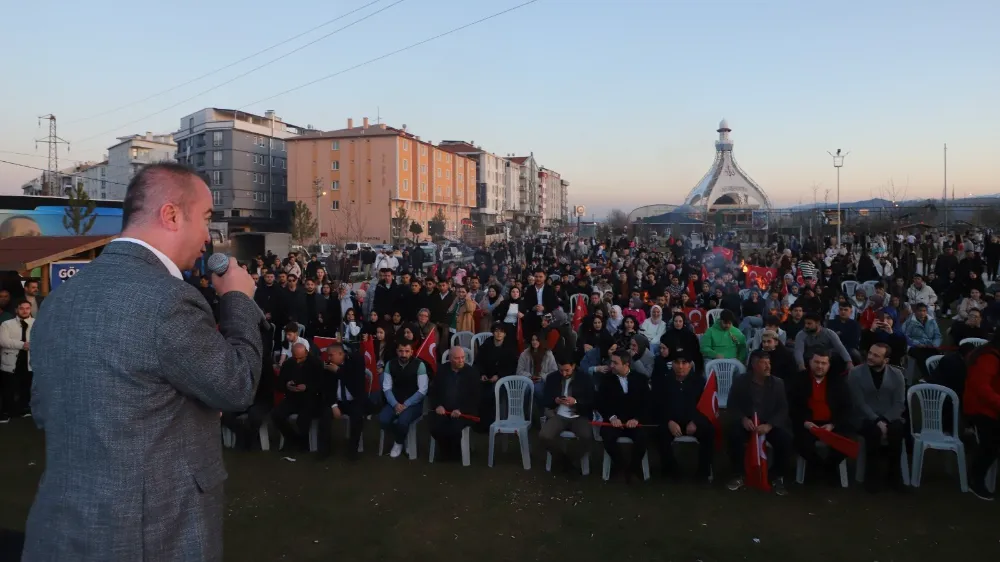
(621, 97)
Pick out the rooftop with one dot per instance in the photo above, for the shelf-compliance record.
(20, 253)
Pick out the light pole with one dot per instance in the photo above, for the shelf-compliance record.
(838, 163)
(319, 214)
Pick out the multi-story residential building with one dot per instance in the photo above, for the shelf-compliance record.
(527, 212)
(243, 159)
(92, 175)
(565, 202)
(491, 173)
(131, 153)
(551, 200)
(357, 179)
(511, 186)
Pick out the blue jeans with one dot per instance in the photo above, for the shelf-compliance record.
(399, 425)
(748, 325)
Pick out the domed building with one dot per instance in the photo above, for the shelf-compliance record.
(726, 187)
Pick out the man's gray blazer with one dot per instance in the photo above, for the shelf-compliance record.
(130, 377)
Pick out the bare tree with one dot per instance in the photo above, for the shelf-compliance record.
(892, 193)
(617, 220)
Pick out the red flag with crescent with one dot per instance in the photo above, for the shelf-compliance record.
(847, 446)
(708, 406)
(698, 319)
(368, 351)
(428, 351)
(726, 253)
(755, 461)
(520, 336)
(579, 314)
(758, 276)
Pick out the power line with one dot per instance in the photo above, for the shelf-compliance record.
(101, 162)
(226, 67)
(61, 174)
(237, 77)
(387, 55)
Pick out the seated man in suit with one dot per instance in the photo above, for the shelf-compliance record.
(623, 401)
(343, 394)
(675, 395)
(817, 397)
(878, 394)
(404, 383)
(759, 393)
(300, 377)
(455, 392)
(568, 400)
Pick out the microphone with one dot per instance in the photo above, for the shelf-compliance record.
(218, 264)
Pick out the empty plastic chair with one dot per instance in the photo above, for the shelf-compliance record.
(694, 440)
(974, 341)
(463, 339)
(725, 370)
(313, 434)
(744, 294)
(869, 287)
(575, 299)
(606, 469)
(712, 316)
(848, 287)
(514, 420)
(931, 435)
(932, 363)
(466, 447)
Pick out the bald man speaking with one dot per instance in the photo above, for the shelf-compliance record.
(130, 375)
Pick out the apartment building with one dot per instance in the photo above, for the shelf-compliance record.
(92, 175)
(527, 211)
(243, 159)
(551, 198)
(131, 153)
(357, 179)
(491, 175)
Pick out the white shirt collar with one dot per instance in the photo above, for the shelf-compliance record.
(167, 262)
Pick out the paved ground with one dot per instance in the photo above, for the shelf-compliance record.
(383, 509)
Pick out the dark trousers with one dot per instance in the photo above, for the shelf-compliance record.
(306, 412)
(704, 433)
(805, 445)
(353, 410)
(920, 356)
(889, 453)
(610, 436)
(777, 461)
(246, 425)
(447, 431)
(988, 452)
(15, 391)
(550, 435)
(487, 407)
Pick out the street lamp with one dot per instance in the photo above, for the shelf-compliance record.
(319, 214)
(838, 163)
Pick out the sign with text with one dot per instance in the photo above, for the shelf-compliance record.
(62, 271)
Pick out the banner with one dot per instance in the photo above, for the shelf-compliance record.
(698, 318)
(760, 277)
(62, 271)
(759, 220)
(726, 253)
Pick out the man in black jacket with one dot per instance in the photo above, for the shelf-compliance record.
(539, 299)
(568, 400)
(343, 395)
(675, 395)
(455, 393)
(818, 398)
(293, 302)
(300, 377)
(758, 393)
(623, 402)
(385, 295)
(496, 358)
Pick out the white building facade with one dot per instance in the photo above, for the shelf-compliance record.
(490, 179)
(130, 154)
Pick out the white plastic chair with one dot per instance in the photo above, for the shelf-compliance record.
(447, 354)
(606, 469)
(515, 420)
(862, 462)
(478, 340)
(466, 447)
(848, 287)
(463, 339)
(229, 438)
(584, 463)
(411, 440)
(800, 469)
(754, 341)
(869, 288)
(575, 299)
(974, 341)
(932, 363)
(725, 370)
(302, 329)
(712, 316)
(931, 435)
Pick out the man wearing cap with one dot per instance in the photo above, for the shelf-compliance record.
(674, 396)
(760, 396)
(782, 359)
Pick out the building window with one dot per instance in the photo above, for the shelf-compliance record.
(406, 185)
(439, 172)
(217, 158)
(447, 174)
(216, 178)
(423, 187)
(335, 165)
(335, 205)
(254, 177)
(216, 197)
(335, 185)
(406, 165)
(437, 191)
(406, 145)
(217, 138)
(336, 145)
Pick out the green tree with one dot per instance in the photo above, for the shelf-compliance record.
(435, 227)
(304, 226)
(416, 230)
(80, 211)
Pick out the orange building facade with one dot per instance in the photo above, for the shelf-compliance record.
(355, 180)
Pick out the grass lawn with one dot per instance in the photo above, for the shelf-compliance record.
(383, 509)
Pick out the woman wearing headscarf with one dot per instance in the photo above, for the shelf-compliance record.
(679, 335)
(614, 322)
(490, 301)
(654, 326)
(509, 312)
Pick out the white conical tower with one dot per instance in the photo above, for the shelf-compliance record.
(725, 178)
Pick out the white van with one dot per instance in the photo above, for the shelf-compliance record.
(352, 248)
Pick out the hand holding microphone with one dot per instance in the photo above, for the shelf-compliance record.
(228, 276)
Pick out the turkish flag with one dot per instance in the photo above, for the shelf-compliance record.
(758, 276)
(837, 442)
(708, 406)
(755, 461)
(698, 319)
(428, 350)
(692, 292)
(726, 253)
(321, 344)
(579, 314)
(368, 350)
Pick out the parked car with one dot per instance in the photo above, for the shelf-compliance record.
(452, 253)
(352, 248)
